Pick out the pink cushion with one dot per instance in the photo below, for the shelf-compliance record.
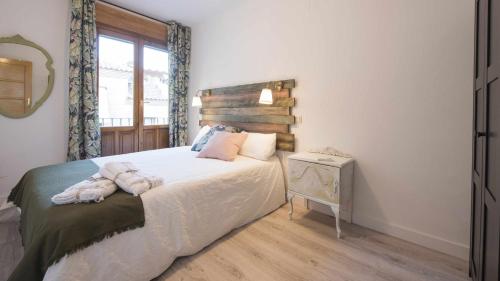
(223, 146)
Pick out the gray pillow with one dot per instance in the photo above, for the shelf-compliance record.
(217, 128)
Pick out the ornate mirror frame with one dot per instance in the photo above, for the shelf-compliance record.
(19, 40)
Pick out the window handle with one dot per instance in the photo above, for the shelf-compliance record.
(481, 134)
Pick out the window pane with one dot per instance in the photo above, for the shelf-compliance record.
(116, 82)
(155, 86)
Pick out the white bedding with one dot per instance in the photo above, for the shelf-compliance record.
(200, 201)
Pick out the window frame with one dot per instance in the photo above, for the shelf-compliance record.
(126, 37)
(114, 20)
(143, 43)
(139, 41)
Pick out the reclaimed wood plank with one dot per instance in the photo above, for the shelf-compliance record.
(284, 93)
(273, 119)
(283, 84)
(279, 102)
(285, 146)
(250, 127)
(285, 142)
(246, 111)
(285, 137)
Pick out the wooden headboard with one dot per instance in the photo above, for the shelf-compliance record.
(239, 106)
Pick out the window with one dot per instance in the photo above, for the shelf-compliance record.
(116, 82)
(155, 86)
(132, 81)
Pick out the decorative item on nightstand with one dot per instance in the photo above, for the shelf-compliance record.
(326, 179)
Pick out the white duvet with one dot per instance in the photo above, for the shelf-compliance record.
(200, 201)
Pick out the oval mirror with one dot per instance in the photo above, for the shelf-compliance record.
(26, 76)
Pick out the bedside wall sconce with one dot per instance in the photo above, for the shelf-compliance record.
(196, 100)
(266, 96)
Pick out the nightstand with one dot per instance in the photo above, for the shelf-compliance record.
(322, 178)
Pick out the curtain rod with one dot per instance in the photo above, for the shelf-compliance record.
(128, 10)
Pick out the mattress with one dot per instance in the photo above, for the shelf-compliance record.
(200, 201)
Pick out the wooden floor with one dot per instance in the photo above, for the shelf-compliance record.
(274, 248)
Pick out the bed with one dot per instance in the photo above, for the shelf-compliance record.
(200, 201)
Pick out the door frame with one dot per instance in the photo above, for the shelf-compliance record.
(138, 127)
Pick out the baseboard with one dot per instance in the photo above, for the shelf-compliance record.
(424, 239)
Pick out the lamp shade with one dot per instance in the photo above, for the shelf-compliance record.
(266, 96)
(196, 101)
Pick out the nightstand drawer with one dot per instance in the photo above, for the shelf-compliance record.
(315, 180)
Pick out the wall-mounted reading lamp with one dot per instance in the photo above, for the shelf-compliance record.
(266, 96)
(196, 100)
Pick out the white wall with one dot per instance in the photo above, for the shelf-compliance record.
(41, 138)
(387, 81)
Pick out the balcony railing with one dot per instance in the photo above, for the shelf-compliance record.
(124, 122)
(155, 121)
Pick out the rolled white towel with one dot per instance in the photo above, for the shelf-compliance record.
(97, 194)
(95, 188)
(129, 178)
(137, 183)
(113, 169)
(65, 197)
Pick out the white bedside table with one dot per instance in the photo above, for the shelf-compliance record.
(322, 178)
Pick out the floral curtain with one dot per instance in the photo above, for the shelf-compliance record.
(179, 52)
(84, 133)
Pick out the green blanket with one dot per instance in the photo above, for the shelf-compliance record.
(49, 232)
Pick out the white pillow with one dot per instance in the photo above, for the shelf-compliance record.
(259, 146)
(203, 131)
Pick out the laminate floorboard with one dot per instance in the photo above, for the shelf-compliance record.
(306, 248)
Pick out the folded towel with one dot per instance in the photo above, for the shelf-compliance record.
(118, 168)
(129, 178)
(95, 188)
